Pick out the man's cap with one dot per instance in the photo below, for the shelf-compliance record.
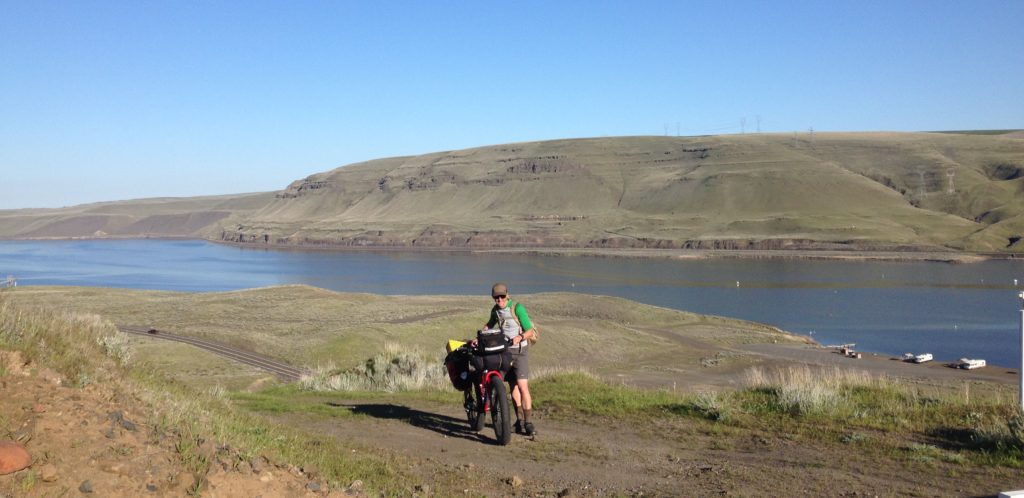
(499, 289)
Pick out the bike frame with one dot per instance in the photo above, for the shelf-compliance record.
(485, 386)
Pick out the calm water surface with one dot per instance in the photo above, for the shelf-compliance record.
(952, 311)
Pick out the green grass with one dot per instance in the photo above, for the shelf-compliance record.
(852, 410)
(875, 415)
(339, 332)
(985, 431)
(578, 394)
(75, 346)
(67, 342)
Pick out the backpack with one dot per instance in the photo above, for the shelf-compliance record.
(536, 332)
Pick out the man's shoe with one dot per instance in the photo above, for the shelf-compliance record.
(518, 427)
(528, 428)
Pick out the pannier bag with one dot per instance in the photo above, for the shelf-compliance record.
(457, 365)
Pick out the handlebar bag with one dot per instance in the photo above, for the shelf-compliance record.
(491, 351)
(490, 341)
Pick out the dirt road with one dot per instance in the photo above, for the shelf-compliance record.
(682, 457)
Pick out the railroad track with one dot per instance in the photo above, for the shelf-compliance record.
(282, 370)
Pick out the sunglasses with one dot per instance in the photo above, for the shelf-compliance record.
(500, 297)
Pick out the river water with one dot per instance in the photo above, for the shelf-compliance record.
(950, 310)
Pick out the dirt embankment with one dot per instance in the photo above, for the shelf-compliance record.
(95, 441)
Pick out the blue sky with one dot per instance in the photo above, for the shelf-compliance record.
(111, 100)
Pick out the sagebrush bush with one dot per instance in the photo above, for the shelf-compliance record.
(1015, 425)
(801, 390)
(393, 369)
(712, 406)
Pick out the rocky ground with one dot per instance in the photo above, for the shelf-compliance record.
(93, 441)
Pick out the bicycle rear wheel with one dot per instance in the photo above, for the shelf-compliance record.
(499, 413)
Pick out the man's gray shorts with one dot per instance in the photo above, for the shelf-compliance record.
(520, 365)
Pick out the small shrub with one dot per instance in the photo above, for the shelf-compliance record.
(29, 481)
(803, 391)
(712, 407)
(392, 370)
(922, 452)
(1015, 425)
(115, 345)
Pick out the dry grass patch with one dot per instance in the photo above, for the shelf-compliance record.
(306, 326)
(394, 369)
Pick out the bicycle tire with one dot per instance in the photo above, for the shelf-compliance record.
(475, 413)
(499, 413)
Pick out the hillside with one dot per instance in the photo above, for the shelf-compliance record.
(827, 191)
(859, 191)
(157, 217)
(743, 409)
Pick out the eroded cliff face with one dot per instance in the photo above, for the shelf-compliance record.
(439, 237)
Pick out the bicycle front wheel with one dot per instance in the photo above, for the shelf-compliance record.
(475, 412)
(499, 413)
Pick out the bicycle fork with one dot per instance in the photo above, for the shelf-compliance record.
(484, 388)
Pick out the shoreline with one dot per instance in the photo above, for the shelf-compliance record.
(637, 253)
(886, 364)
(954, 257)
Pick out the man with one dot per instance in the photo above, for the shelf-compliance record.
(515, 324)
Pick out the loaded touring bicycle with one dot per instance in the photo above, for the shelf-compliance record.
(479, 372)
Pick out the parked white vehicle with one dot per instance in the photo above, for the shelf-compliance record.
(923, 357)
(908, 357)
(970, 364)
